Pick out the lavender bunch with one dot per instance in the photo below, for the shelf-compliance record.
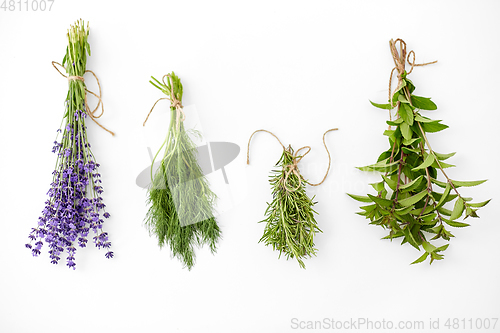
(75, 205)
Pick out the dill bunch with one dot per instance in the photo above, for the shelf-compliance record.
(180, 199)
(290, 224)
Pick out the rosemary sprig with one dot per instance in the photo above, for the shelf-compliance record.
(407, 203)
(181, 211)
(290, 224)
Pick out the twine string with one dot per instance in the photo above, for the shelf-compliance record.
(329, 157)
(293, 168)
(90, 113)
(249, 140)
(400, 59)
(400, 62)
(174, 103)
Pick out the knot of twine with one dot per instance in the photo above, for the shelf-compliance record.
(293, 168)
(100, 103)
(400, 62)
(174, 104)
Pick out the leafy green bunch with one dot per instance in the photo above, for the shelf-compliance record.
(410, 201)
(181, 202)
(290, 224)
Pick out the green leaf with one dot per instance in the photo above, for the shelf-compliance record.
(413, 199)
(380, 201)
(395, 226)
(436, 230)
(407, 150)
(382, 106)
(410, 85)
(421, 258)
(446, 234)
(402, 99)
(377, 221)
(382, 166)
(442, 248)
(457, 209)
(411, 185)
(442, 164)
(406, 131)
(403, 84)
(480, 204)
(410, 239)
(360, 198)
(456, 224)
(404, 210)
(427, 210)
(443, 157)
(369, 208)
(434, 126)
(428, 247)
(437, 196)
(444, 211)
(439, 183)
(429, 217)
(384, 156)
(467, 183)
(394, 98)
(378, 186)
(406, 113)
(423, 103)
(412, 141)
(427, 163)
(442, 201)
(389, 132)
(421, 119)
(393, 235)
(392, 183)
(435, 256)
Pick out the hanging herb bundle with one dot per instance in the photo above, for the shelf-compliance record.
(409, 202)
(180, 199)
(290, 222)
(75, 206)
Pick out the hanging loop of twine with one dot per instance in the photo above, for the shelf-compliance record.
(329, 157)
(90, 113)
(400, 62)
(293, 168)
(174, 103)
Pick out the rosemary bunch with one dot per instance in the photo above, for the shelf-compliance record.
(75, 204)
(290, 224)
(180, 199)
(408, 201)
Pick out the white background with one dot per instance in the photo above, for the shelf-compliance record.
(295, 68)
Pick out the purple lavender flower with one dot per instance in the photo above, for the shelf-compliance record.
(74, 206)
